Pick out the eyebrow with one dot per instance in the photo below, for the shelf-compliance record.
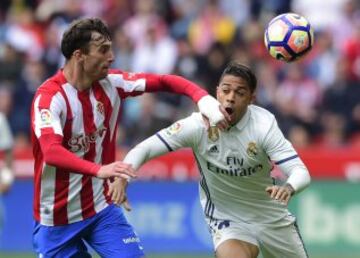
(237, 87)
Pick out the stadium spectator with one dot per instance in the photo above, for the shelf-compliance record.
(6, 170)
(74, 125)
(245, 210)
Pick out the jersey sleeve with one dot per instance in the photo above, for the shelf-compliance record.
(47, 109)
(283, 154)
(277, 147)
(184, 133)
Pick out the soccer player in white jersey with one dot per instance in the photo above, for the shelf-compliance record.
(245, 211)
(74, 121)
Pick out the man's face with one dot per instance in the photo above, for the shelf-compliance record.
(234, 95)
(99, 58)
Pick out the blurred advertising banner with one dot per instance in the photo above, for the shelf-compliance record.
(323, 163)
(168, 218)
(328, 216)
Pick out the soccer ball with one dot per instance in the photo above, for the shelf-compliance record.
(288, 37)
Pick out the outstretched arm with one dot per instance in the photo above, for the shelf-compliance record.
(207, 104)
(146, 150)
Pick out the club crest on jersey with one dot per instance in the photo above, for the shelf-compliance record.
(173, 129)
(252, 149)
(213, 133)
(100, 108)
(45, 118)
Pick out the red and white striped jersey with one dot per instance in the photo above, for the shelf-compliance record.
(72, 130)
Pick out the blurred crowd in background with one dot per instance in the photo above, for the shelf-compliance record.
(316, 101)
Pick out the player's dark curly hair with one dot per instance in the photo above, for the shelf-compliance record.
(239, 70)
(78, 35)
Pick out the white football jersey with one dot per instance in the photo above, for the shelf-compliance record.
(235, 165)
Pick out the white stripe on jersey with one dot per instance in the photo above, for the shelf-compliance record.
(99, 199)
(47, 194)
(74, 197)
(115, 101)
(127, 85)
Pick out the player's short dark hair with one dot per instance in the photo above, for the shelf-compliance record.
(239, 70)
(78, 35)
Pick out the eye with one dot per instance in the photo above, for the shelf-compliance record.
(241, 93)
(104, 49)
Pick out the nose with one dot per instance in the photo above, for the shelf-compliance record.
(230, 97)
(111, 56)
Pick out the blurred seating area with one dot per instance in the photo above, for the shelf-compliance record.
(316, 100)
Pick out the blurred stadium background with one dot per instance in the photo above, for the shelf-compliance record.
(316, 101)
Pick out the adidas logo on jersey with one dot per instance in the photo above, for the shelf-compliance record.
(214, 149)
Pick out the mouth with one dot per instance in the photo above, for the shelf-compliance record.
(229, 110)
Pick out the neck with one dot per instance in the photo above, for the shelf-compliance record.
(76, 76)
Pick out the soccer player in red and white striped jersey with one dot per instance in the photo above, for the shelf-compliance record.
(74, 121)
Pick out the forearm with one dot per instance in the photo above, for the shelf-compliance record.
(299, 179)
(144, 151)
(298, 175)
(58, 156)
(175, 84)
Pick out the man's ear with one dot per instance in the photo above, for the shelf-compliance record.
(78, 54)
(217, 91)
(253, 98)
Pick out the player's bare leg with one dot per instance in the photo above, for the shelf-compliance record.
(236, 249)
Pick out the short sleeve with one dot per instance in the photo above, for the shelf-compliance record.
(183, 133)
(48, 109)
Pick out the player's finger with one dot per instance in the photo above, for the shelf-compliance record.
(226, 114)
(274, 192)
(111, 189)
(127, 205)
(222, 125)
(206, 121)
(115, 197)
(281, 194)
(124, 173)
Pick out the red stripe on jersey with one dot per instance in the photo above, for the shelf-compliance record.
(61, 196)
(86, 193)
(108, 154)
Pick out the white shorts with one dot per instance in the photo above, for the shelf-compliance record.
(273, 241)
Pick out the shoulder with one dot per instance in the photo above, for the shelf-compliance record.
(261, 116)
(52, 85)
(195, 120)
(192, 125)
(262, 120)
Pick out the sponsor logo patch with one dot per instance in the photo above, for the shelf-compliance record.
(45, 118)
(173, 129)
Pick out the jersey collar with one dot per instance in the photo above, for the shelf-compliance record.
(244, 120)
